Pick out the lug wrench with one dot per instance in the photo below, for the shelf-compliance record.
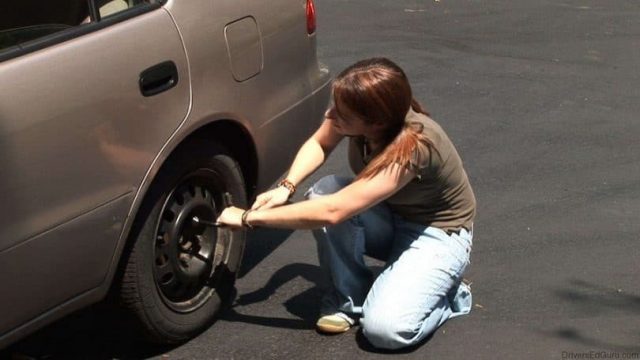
(227, 199)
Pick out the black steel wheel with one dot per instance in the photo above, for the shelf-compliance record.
(180, 271)
(185, 248)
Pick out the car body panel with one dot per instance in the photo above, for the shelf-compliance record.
(74, 137)
(79, 120)
(282, 25)
(47, 277)
(120, 141)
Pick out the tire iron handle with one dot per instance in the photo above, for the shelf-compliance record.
(227, 199)
(197, 220)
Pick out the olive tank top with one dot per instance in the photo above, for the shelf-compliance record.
(440, 195)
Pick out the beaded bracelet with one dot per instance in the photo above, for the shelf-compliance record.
(289, 185)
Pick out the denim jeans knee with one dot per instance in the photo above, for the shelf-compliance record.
(419, 291)
(327, 185)
(385, 329)
(384, 333)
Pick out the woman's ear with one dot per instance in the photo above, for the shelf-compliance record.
(330, 113)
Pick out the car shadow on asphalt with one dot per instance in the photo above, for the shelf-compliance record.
(97, 332)
(594, 300)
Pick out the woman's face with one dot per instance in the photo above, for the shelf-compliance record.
(347, 125)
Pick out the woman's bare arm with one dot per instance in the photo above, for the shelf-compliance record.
(313, 152)
(310, 157)
(330, 209)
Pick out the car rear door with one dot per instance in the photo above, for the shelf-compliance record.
(90, 93)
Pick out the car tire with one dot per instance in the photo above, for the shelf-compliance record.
(179, 272)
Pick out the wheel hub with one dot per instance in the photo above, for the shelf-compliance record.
(185, 250)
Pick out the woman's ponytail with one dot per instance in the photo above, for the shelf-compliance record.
(409, 148)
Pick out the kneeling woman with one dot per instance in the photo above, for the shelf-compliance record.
(410, 205)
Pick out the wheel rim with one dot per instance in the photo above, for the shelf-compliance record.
(186, 252)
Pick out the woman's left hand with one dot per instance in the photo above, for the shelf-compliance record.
(231, 216)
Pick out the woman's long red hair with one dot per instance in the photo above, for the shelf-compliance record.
(377, 91)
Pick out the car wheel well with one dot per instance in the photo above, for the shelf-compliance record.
(236, 139)
(231, 136)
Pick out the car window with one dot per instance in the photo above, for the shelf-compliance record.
(27, 20)
(111, 7)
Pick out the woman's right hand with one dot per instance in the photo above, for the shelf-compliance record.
(272, 198)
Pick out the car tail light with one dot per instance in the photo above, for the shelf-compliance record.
(311, 17)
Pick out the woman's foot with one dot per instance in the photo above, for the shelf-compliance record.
(334, 323)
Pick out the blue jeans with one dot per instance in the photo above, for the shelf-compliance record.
(420, 287)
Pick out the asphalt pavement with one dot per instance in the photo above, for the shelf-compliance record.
(540, 98)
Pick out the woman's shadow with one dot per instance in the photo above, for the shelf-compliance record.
(301, 305)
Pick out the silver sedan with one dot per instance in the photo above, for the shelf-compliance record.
(125, 126)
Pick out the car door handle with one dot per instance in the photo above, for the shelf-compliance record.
(158, 78)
